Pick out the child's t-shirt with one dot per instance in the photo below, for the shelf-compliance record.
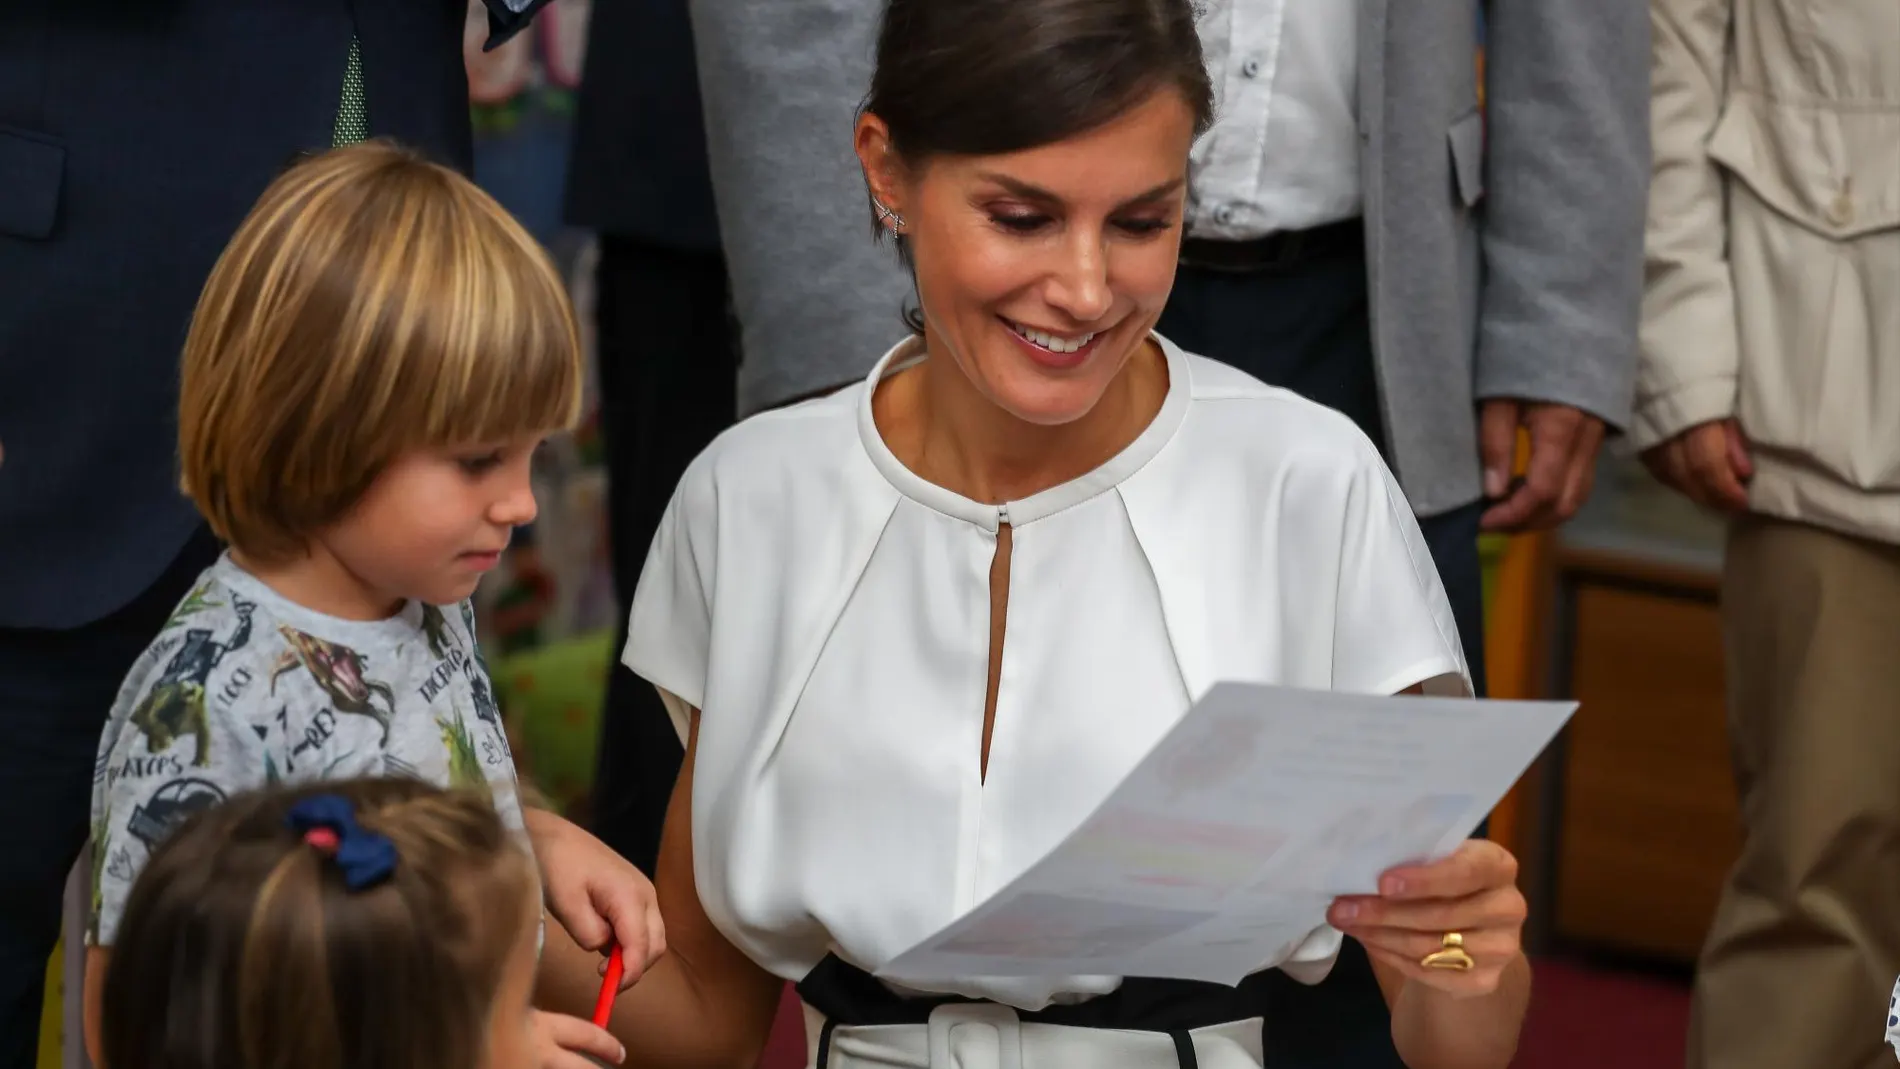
(245, 689)
(1893, 1019)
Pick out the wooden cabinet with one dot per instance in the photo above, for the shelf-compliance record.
(1647, 824)
(1629, 824)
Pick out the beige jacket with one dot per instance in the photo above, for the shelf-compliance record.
(1773, 253)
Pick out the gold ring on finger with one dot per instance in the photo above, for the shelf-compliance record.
(1450, 955)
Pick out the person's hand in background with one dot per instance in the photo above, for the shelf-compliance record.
(1708, 463)
(1561, 471)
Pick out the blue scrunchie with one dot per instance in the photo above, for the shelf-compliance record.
(366, 858)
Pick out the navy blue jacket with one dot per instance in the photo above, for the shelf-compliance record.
(134, 135)
(639, 165)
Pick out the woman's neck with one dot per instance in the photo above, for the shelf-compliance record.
(938, 425)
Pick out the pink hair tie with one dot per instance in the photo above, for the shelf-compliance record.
(323, 839)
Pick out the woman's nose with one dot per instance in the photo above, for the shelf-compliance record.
(1080, 288)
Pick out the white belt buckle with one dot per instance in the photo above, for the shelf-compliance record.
(989, 1037)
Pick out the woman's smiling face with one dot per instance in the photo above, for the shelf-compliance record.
(1041, 272)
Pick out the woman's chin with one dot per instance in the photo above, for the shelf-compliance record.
(1049, 403)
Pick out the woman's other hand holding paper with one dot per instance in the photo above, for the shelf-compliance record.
(1472, 893)
(1448, 1017)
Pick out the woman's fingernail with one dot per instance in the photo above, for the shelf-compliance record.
(621, 1057)
(1394, 886)
(1347, 911)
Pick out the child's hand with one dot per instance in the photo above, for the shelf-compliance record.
(563, 1042)
(597, 895)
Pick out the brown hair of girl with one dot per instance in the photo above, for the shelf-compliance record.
(242, 947)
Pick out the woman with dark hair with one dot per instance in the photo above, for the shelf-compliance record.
(914, 631)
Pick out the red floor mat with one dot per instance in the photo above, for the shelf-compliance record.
(1583, 1016)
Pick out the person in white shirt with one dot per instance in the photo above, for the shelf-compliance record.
(913, 631)
(1361, 232)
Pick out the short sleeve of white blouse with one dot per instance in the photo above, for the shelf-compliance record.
(827, 610)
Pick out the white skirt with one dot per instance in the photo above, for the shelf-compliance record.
(988, 1036)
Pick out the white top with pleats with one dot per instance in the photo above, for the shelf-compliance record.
(828, 611)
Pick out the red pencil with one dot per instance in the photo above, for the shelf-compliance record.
(609, 987)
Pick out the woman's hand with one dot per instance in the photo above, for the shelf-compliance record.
(596, 894)
(1473, 893)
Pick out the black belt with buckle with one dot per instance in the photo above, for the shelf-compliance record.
(1276, 251)
(848, 996)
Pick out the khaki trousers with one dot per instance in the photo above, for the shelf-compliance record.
(1805, 946)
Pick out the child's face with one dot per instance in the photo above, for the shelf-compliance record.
(434, 522)
(510, 1024)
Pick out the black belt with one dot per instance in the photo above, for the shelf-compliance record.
(1277, 251)
(848, 996)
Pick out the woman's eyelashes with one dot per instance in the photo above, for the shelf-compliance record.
(1034, 222)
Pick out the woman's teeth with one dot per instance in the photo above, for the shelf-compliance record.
(1052, 342)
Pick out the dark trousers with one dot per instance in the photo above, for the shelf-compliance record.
(1307, 327)
(668, 359)
(56, 689)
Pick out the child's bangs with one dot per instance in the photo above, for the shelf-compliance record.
(495, 353)
(501, 388)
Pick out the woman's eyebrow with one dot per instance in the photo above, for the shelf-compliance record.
(1028, 191)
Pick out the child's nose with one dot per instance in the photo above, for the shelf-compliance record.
(517, 507)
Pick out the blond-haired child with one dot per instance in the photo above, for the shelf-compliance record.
(372, 363)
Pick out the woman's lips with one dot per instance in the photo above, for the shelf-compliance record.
(1052, 350)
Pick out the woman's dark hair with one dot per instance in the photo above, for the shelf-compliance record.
(986, 77)
(241, 946)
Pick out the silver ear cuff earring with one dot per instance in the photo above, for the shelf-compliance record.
(885, 214)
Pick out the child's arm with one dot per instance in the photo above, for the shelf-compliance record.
(704, 1004)
(97, 958)
(596, 894)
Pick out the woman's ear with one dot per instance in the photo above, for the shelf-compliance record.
(883, 171)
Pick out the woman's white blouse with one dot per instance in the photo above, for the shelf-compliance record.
(828, 612)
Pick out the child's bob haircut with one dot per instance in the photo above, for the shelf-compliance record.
(372, 304)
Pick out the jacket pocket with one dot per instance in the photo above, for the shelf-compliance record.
(1832, 169)
(1813, 218)
(32, 169)
(1467, 157)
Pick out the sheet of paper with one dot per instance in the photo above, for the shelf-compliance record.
(1220, 853)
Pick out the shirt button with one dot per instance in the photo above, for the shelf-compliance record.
(1250, 69)
(1224, 215)
(1841, 212)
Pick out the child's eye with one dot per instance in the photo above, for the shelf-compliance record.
(480, 465)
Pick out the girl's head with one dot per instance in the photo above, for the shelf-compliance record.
(1037, 153)
(244, 944)
(371, 364)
